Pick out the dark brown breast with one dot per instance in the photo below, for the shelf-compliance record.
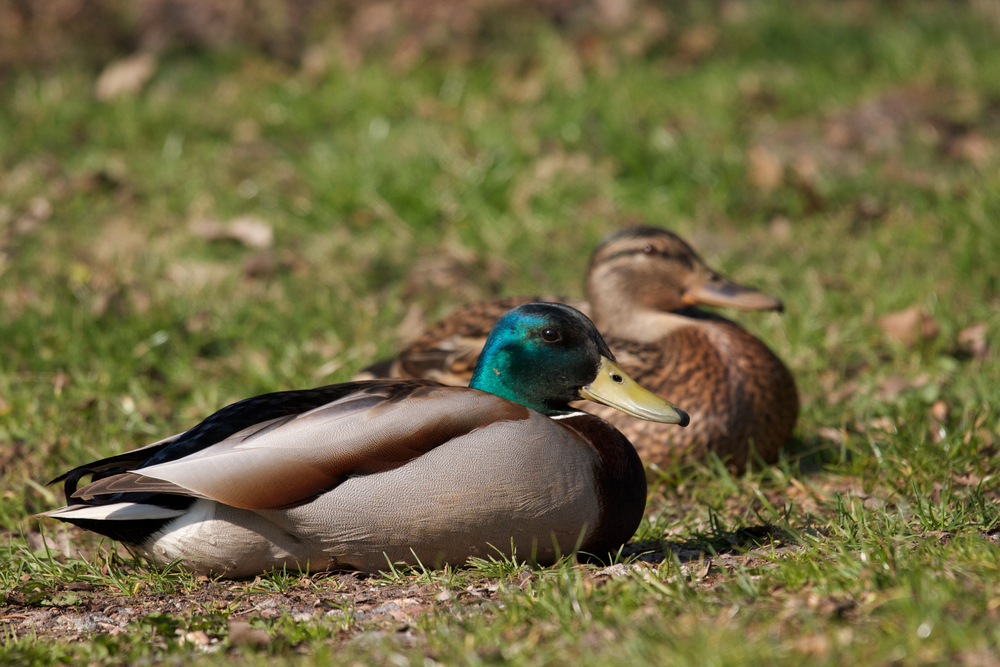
(737, 392)
(621, 484)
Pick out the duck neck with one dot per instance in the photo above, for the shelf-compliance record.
(497, 373)
(640, 325)
(629, 306)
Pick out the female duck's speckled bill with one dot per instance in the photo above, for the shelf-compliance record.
(614, 387)
(717, 290)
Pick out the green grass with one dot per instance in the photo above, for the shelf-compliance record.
(399, 193)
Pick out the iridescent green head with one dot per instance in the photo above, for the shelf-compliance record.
(545, 355)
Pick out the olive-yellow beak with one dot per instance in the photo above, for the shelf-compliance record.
(614, 387)
(715, 290)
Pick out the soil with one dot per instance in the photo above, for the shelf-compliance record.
(355, 605)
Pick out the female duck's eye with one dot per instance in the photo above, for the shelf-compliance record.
(550, 335)
(648, 250)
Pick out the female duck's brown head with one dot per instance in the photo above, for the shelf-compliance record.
(644, 270)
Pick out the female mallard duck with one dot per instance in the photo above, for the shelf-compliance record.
(363, 474)
(642, 286)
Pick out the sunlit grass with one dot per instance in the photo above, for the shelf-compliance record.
(397, 194)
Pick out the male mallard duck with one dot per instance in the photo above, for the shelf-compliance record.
(363, 474)
(642, 286)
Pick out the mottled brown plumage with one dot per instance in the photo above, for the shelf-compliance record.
(642, 287)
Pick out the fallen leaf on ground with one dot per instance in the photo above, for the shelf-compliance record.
(260, 265)
(764, 168)
(832, 434)
(842, 393)
(878, 424)
(909, 326)
(893, 386)
(198, 638)
(697, 41)
(241, 634)
(815, 645)
(939, 410)
(781, 229)
(250, 231)
(125, 77)
(968, 480)
(973, 148)
(39, 210)
(972, 340)
(207, 228)
(614, 14)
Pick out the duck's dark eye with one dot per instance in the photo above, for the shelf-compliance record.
(617, 378)
(648, 250)
(550, 335)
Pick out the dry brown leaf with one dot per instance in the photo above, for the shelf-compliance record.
(973, 148)
(525, 89)
(829, 433)
(873, 503)
(39, 210)
(250, 231)
(206, 228)
(781, 229)
(198, 638)
(989, 10)
(892, 386)
(374, 22)
(614, 14)
(697, 41)
(968, 480)
(909, 326)
(815, 645)
(260, 264)
(829, 378)
(976, 657)
(615, 571)
(407, 53)
(764, 168)
(241, 634)
(869, 208)
(878, 424)
(842, 393)
(315, 62)
(972, 340)
(125, 77)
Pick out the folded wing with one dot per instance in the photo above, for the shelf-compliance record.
(283, 461)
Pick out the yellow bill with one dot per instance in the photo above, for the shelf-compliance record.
(614, 387)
